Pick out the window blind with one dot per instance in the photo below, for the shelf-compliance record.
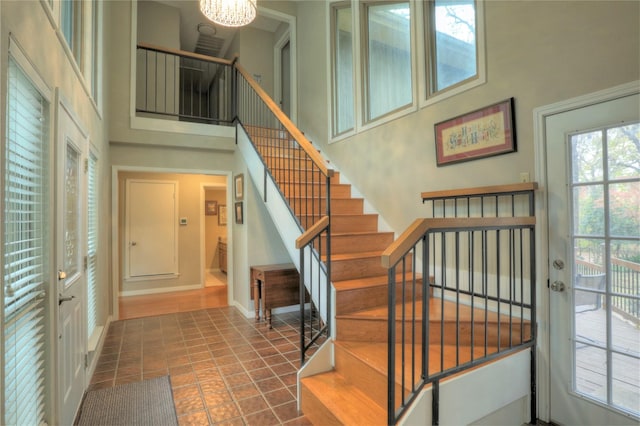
(92, 245)
(26, 242)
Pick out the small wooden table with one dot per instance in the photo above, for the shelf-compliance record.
(277, 285)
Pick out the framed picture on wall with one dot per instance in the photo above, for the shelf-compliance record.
(239, 213)
(238, 184)
(222, 215)
(210, 208)
(477, 134)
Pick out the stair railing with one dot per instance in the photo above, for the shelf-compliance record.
(439, 265)
(304, 180)
(178, 85)
(312, 244)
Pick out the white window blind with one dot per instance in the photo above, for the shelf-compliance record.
(92, 245)
(26, 242)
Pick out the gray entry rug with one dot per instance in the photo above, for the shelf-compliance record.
(149, 402)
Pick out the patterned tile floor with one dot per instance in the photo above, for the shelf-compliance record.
(224, 368)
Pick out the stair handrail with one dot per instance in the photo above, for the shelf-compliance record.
(287, 123)
(404, 251)
(310, 245)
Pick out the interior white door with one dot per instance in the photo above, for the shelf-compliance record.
(71, 238)
(151, 228)
(593, 199)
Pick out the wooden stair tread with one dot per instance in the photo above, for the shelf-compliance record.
(346, 402)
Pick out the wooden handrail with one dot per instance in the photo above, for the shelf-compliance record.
(312, 232)
(483, 190)
(185, 54)
(288, 124)
(419, 227)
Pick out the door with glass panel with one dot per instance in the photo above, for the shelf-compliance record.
(593, 195)
(71, 270)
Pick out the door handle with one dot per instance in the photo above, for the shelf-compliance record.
(62, 275)
(557, 286)
(62, 299)
(133, 243)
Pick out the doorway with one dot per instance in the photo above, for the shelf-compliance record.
(185, 290)
(214, 251)
(591, 177)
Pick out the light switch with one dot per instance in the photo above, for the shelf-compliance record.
(183, 221)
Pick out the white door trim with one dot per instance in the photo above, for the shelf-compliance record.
(203, 187)
(539, 144)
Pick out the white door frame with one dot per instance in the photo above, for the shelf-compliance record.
(290, 36)
(542, 253)
(115, 240)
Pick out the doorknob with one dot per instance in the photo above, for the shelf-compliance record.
(133, 243)
(62, 299)
(557, 286)
(558, 264)
(62, 275)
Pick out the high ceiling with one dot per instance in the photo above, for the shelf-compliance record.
(198, 34)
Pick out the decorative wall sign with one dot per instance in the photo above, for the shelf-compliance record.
(238, 184)
(482, 133)
(222, 214)
(210, 208)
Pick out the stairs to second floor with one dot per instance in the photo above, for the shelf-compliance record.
(355, 391)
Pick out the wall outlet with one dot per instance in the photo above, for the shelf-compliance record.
(524, 177)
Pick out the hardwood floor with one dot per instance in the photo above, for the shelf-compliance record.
(174, 302)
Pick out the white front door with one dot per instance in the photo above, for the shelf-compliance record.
(70, 249)
(593, 200)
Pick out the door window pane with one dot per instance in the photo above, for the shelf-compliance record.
(623, 145)
(606, 286)
(388, 79)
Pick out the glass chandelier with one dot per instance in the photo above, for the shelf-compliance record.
(229, 13)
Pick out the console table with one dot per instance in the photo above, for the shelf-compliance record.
(277, 286)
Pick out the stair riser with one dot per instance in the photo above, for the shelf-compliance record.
(311, 176)
(318, 207)
(369, 297)
(285, 162)
(375, 330)
(362, 375)
(358, 243)
(298, 190)
(354, 223)
(356, 268)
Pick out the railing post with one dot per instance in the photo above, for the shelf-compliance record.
(391, 358)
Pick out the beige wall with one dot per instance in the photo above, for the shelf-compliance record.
(190, 268)
(213, 231)
(538, 52)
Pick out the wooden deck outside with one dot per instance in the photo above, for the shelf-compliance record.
(591, 358)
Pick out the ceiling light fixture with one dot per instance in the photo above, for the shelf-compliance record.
(230, 13)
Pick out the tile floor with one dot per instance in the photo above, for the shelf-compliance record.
(224, 368)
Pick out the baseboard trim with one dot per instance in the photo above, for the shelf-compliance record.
(159, 290)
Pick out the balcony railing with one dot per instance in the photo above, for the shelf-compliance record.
(183, 86)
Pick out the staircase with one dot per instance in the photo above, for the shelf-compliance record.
(355, 391)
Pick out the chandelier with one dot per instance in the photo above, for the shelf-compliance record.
(229, 13)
